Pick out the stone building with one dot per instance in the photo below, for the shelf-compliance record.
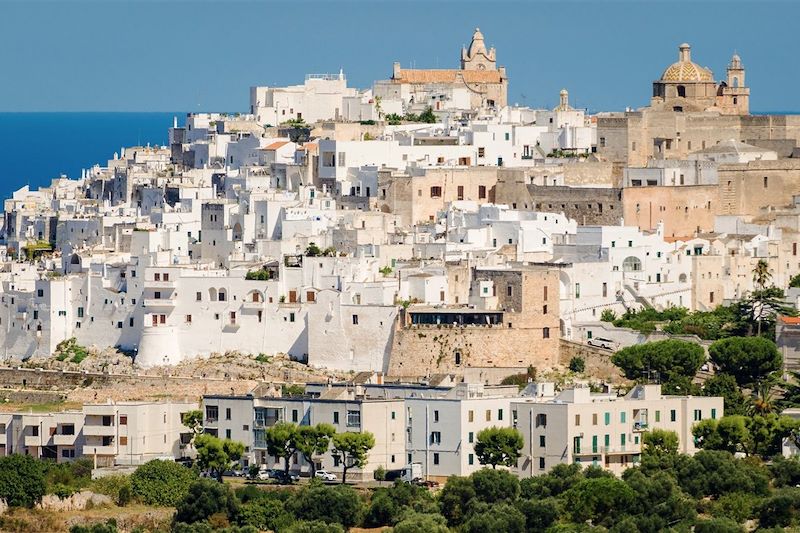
(512, 322)
(478, 83)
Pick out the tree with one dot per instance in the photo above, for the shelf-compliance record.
(313, 440)
(724, 385)
(502, 517)
(204, 499)
(608, 315)
(794, 281)
(281, 440)
(577, 364)
(493, 486)
(660, 442)
(748, 359)
(22, 482)
(669, 359)
(217, 455)
(421, 523)
(729, 433)
(163, 483)
(498, 446)
(539, 514)
(761, 274)
(353, 448)
(761, 307)
(456, 498)
(194, 421)
(313, 250)
(599, 500)
(337, 504)
(427, 116)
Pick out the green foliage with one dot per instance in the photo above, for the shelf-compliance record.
(498, 446)
(600, 500)
(379, 474)
(421, 523)
(794, 281)
(109, 526)
(782, 509)
(724, 385)
(313, 440)
(718, 525)
(389, 506)
(646, 319)
(193, 420)
(676, 362)
(393, 119)
(70, 349)
(313, 250)
(494, 486)
(386, 270)
(353, 448)
(162, 483)
(501, 517)
(22, 481)
(281, 441)
(262, 274)
(427, 116)
(314, 526)
(521, 380)
(539, 514)
(339, 504)
(292, 390)
(216, 455)
(560, 479)
(455, 499)
(63, 479)
(748, 359)
(785, 472)
(608, 315)
(577, 364)
(206, 498)
(659, 442)
(736, 506)
(266, 514)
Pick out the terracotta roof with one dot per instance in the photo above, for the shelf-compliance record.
(447, 76)
(794, 320)
(276, 145)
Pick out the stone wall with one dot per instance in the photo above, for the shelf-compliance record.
(422, 351)
(598, 361)
(587, 205)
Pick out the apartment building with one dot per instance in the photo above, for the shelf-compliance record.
(578, 426)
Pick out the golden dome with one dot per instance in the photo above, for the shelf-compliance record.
(686, 70)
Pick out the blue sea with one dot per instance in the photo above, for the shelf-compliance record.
(37, 147)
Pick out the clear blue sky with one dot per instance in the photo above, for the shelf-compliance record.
(117, 55)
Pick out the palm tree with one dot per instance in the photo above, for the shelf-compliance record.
(763, 400)
(761, 275)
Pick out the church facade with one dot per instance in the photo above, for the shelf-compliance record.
(478, 83)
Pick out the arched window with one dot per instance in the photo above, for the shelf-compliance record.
(632, 264)
(682, 278)
(237, 232)
(212, 294)
(681, 91)
(221, 295)
(735, 82)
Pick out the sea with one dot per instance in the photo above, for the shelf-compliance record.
(37, 147)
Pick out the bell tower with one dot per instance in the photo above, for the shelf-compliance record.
(733, 96)
(477, 57)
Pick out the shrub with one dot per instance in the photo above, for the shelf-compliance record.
(577, 364)
(161, 482)
(117, 487)
(22, 482)
(206, 499)
(314, 526)
(339, 504)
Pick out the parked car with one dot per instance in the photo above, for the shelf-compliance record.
(325, 475)
(600, 342)
(426, 483)
(233, 473)
(285, 479)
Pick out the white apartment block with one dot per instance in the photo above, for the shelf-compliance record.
(578, 426)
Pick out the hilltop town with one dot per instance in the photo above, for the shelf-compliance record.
(420, 261)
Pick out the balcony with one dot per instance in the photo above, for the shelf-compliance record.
(3, 439)
(160, 284)
(620, 450)
(33, 440)
(640, 426)
(253, 305)
(99, 430)
(90, 450)
(163, 303)
(63, 440)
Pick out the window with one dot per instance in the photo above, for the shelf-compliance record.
(577, 420)
(542, 441)
(545, 333)
(436, 437)
(436, 416)
(436, 458)
(471, 459)
(471, 437)
(607, 418)
(227, 433)
(541, 420)
(481, 192)
(658, 416)
(353, 418)
(544, 309)
(291, 317)
(544, 293)
(605, 289)
(336, 417)
(123, 441)
(698, 415)
(673, 416)
(766, 182)
(577, 290)
(713, 414)
(212, 413)
(509, 291)
(499, 414)
(355, 320)
(602, 142)
(622, 439)
(488, 415)
(541, 463)
(622, 417)
(436, 192)
(188, 319)
(123, 420)
(607, 441)
(227, 413)
(594, 419)
(341, 159)
(460, 192)
(80, 312)
(294, 416)
(199, 296)
(481, 151)
(471, 416)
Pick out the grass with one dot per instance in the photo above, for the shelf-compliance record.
(45, 407)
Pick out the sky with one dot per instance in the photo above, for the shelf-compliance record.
(184, 55)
